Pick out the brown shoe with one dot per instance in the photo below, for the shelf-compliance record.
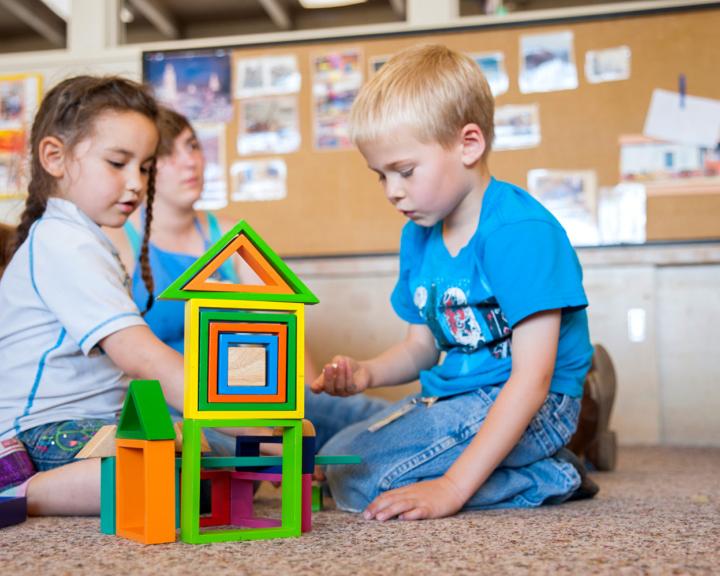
(593, 440)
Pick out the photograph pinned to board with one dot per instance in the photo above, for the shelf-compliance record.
(493, 66)
(212, 140)
(19, 99)
(571, 196)
(677, 117)
(608, 65)
(622, 213)
(268, 125)
(643, 158)
(375, 63)
(547, 63)
(195, 83)
(13, 159)
(336, 79)
(267, 76)
(517, 127)
(258, 180)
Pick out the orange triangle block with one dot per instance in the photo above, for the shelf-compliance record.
(274, 283)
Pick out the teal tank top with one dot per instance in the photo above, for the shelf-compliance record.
(166, 318)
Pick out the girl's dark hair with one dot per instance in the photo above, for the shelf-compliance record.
(68, 112)
(170, 125)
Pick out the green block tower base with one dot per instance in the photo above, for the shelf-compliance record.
(291, 511)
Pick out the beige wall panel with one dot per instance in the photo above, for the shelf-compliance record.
(688, 342)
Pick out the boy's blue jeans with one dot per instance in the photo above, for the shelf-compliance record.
(425, 442)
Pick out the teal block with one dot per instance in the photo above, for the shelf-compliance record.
(107, 495)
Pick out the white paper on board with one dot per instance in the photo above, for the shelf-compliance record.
(547, 62)
(608, 65)
(683, 119)
(258, 180)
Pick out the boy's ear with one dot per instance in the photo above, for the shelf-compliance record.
(51, 153)
(472, 140)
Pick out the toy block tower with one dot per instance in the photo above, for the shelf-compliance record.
(244, 367)
(145, 466)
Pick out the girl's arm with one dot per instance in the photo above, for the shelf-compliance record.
(397, 365)
(534, 347)
(142, 356)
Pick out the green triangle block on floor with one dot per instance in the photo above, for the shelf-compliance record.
(145, 414)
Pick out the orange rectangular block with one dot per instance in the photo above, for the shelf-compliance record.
(145, 495)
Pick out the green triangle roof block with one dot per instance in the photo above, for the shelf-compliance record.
(185, 286)
(145, 415)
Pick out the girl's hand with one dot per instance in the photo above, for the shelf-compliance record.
(430, 499)
(344, 376)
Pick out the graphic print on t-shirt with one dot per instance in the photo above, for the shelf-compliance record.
(454, 322)
(460, 319)
(499, 327)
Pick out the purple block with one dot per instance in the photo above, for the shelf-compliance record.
(12, 510)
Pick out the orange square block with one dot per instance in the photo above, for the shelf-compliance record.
(215, 328)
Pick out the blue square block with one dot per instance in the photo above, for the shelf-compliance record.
(269, 342)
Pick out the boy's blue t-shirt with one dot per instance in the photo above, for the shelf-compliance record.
(518, 262)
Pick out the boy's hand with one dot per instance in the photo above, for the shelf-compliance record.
(344, 376)
(430, 499)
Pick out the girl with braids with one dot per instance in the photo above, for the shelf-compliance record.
(71, 335)
(180, 234)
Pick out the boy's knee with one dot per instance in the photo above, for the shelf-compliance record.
(352, 487)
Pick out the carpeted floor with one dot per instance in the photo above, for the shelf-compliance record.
(659, 513)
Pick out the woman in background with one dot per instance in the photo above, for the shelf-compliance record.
(179, 235)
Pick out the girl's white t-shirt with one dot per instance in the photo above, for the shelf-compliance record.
(64, 290)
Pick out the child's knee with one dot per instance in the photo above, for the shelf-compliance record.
(352, 487)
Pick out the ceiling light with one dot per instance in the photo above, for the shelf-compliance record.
(328, 3)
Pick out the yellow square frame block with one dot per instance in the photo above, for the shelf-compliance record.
(192, 349)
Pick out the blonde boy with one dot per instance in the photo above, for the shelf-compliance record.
(488, 277)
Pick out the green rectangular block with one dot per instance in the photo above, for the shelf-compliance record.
(291, 489)
(317, 498)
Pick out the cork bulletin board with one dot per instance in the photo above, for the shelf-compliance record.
(334, 204)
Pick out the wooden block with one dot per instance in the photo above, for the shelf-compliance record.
(13, 510)
(291, 505)
(281, 284)
(145, 414)
(317, 498)
(246, 366)
(145, 477)
(306, 499)
(219, 499)
(307, 428)
(108, 493)
(102, 445)
(204, 444)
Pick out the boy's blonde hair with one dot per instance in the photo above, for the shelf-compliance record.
(432, 90)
